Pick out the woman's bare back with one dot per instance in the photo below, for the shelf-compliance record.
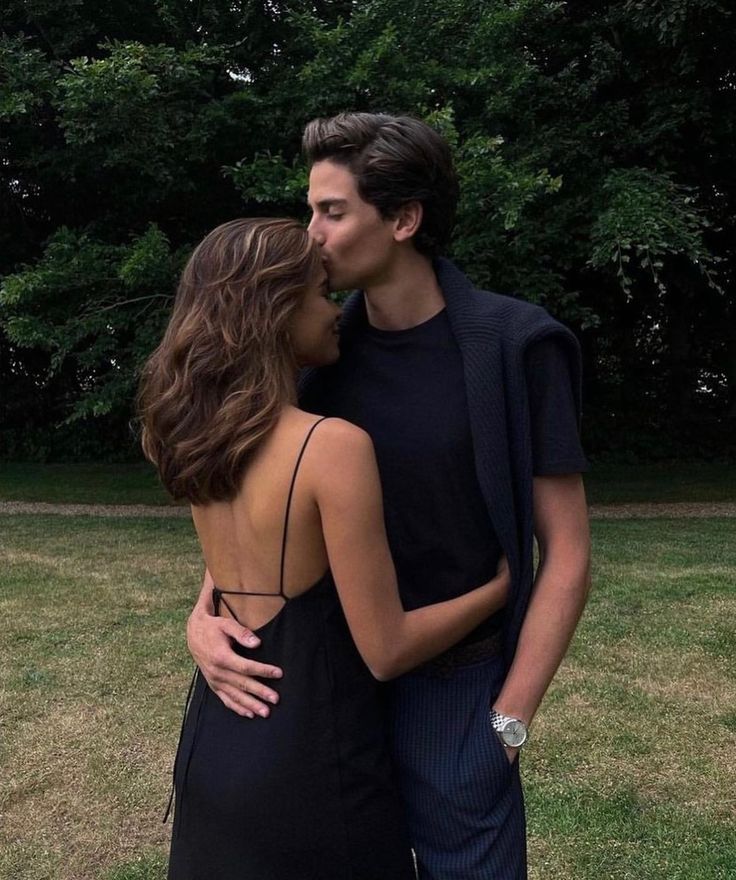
(242, 539)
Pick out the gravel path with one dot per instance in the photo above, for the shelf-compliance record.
(597, 511)
(675, 509)
(116, 510)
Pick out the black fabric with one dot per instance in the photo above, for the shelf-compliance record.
(406, 389)
(495, 334)
(556, 445)
(307, 794)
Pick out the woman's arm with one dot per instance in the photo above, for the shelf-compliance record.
(348, 494)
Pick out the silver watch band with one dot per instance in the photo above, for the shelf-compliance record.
(512, 732)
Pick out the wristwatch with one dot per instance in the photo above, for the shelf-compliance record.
(512, 732)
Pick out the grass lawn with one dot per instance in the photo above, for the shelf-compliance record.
(137, 483)
(630, 773)
(81, 483)
(698, 481)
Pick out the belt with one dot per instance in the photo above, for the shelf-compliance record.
(447, 663)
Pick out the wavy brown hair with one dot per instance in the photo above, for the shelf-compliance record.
(214, 387)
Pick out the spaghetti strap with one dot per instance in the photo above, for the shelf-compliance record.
(288, 508)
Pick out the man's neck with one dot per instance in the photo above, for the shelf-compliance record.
(408, 296)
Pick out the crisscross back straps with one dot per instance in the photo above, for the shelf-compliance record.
(288, 507)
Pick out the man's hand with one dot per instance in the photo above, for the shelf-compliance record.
(233, 678)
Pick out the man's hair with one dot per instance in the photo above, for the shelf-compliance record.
(395, 160)
(215, 386)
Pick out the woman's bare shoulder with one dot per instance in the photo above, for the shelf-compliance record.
(333, 431)
(337, 443)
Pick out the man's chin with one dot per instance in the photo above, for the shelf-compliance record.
(338, 284)
(337, 281)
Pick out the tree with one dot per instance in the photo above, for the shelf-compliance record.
(593, 145)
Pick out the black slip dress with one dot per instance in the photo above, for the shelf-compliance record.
(308, 793)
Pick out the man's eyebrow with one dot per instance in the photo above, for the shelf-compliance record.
(324, 204)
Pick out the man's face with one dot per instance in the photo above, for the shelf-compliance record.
(357, 243)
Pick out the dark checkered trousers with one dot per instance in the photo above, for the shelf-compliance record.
(464, 799)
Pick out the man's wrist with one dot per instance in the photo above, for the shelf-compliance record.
(512, 731)
(204, 606)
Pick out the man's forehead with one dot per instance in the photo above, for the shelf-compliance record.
(330, 182)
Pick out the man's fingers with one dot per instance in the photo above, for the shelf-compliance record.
(241, 634)
(254, 688)
(246, 690)
(242, 702)
(235, 679)
(233, 705)
(254, 669)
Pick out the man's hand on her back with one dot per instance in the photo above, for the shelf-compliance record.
(233, 678)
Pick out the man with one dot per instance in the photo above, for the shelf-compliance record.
(472, 402)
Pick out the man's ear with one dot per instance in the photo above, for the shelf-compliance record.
(408, 220)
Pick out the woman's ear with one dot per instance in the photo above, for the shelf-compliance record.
(408, 220)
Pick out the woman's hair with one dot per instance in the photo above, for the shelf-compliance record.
(214, 387)
(395, 160)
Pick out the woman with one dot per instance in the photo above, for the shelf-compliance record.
(288, 510)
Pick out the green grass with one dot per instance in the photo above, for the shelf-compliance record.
(633, 771)
(630, 772)
(137, 483)
(679, 481)
(81, 483)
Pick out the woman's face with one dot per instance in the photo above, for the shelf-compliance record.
(314, 333)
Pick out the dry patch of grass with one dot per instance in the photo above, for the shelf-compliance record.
(78, 783)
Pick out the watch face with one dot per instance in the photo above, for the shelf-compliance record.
(514, 733)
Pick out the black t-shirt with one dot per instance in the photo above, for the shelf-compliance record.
(406, 389)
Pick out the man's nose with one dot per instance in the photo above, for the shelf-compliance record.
(315, 231)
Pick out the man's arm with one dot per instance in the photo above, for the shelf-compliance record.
(558, 596)
(233, 678)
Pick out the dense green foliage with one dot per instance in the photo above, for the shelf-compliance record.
(593, 142)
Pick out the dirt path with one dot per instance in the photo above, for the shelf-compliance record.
(674, 509)
(597, 511)
(116, 510)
